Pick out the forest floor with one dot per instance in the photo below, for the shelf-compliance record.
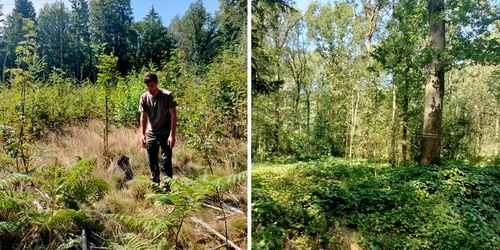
(330, 203)
(85, 141)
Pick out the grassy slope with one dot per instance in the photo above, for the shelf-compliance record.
(330, 204)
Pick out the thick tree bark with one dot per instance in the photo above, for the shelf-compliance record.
(434, 88)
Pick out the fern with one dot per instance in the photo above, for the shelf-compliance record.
(134, 241)
(10, 181)
(223, 182)
(63, 220)
(71, 244)
(147, 223)
(8, 228)
(74, 185)
(8, 201)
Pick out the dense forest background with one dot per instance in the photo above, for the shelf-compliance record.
(347, 79)
(71, 79)
(351, 101)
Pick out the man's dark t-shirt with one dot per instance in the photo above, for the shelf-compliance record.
(157, 108)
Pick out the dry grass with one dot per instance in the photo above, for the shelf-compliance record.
(85, 142)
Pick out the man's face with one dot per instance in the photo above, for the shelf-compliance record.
(151, 86)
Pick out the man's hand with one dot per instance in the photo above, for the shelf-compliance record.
(143, 141)
(171, 141)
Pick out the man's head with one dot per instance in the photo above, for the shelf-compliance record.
(151, 82)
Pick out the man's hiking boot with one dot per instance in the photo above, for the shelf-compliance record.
(155, 179)
(166, 186)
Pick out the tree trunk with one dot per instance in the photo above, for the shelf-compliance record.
(394, 125)
(3, 68)
(60, 46)
(354, 122)
(308, 105)
(477, 148)
(434, 88)
(276, 124)
(106, 128)
(297, 97)
(496, 138)
(404, 141)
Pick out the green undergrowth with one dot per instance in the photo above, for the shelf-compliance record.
(331, 204)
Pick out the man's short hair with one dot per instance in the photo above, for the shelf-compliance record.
(150, 77)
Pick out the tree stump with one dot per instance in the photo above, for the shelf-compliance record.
(122, 165)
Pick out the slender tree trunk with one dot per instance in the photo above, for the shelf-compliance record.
(3, 68)
(479, 138)
(354, 122)
(496, 138)
(23, 124)
(394, 125)
(308, 105)
(276, 124)
(78, 58)
(60, 46)
(404, 141)
(106, 128)
(404, 144)
(434, 88)
(297, 96)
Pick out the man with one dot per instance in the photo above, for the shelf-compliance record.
(158, 126)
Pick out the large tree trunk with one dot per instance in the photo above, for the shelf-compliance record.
(434, 88)
(394, 125)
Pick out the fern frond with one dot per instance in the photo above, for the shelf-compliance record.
(9, 181)
(71, 244)
(223, 182)
(134, 241)
(9, 201)
(8, 228)
(147, 223)
(65, 220)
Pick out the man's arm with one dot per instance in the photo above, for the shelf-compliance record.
(173, 127)
(144, 125)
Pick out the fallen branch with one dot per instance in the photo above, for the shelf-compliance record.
(210, 206)
(234, 209)
(227, 216)
(219, 246)
(206, 226)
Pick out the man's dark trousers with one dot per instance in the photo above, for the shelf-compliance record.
(155, 143)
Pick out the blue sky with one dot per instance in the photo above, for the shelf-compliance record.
(303, 4)
(167, 9)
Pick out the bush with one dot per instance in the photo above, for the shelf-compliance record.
(417, 207)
